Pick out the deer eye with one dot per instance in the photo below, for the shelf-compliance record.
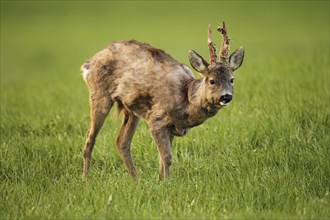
(212, 82)
(232, 80)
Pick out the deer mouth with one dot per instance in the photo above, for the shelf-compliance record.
(218, 105)
(224, 103)
(221, 104)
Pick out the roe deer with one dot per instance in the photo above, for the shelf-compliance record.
(146, 82)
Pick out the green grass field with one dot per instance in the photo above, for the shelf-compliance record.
(264, 156)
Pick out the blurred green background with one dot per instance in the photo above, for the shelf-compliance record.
(264, 156)
(55, 37)
(43, 43)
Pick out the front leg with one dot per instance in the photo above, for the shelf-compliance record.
(163, 139)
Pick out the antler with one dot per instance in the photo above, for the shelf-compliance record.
(213, 54)
(224, 50)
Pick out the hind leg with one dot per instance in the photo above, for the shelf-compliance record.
(99, 109)
(124, 139)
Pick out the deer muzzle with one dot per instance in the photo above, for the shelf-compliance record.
(225, 99)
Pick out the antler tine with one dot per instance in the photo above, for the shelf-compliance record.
(213, 53)
(224, 50)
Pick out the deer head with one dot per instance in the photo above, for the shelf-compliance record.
(218, 75)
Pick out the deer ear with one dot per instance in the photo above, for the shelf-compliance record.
(236, 58)
(197, 62)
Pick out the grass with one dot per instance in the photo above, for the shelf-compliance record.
(264, 156)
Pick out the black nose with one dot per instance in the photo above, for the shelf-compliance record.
(226, 98)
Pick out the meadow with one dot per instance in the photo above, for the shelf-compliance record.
(265, 156)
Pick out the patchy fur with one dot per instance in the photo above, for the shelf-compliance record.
(145, 82)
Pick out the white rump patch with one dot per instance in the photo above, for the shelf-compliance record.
(86, 72)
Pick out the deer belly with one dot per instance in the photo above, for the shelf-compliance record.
(140, 105)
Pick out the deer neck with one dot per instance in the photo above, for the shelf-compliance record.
(199, 109)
